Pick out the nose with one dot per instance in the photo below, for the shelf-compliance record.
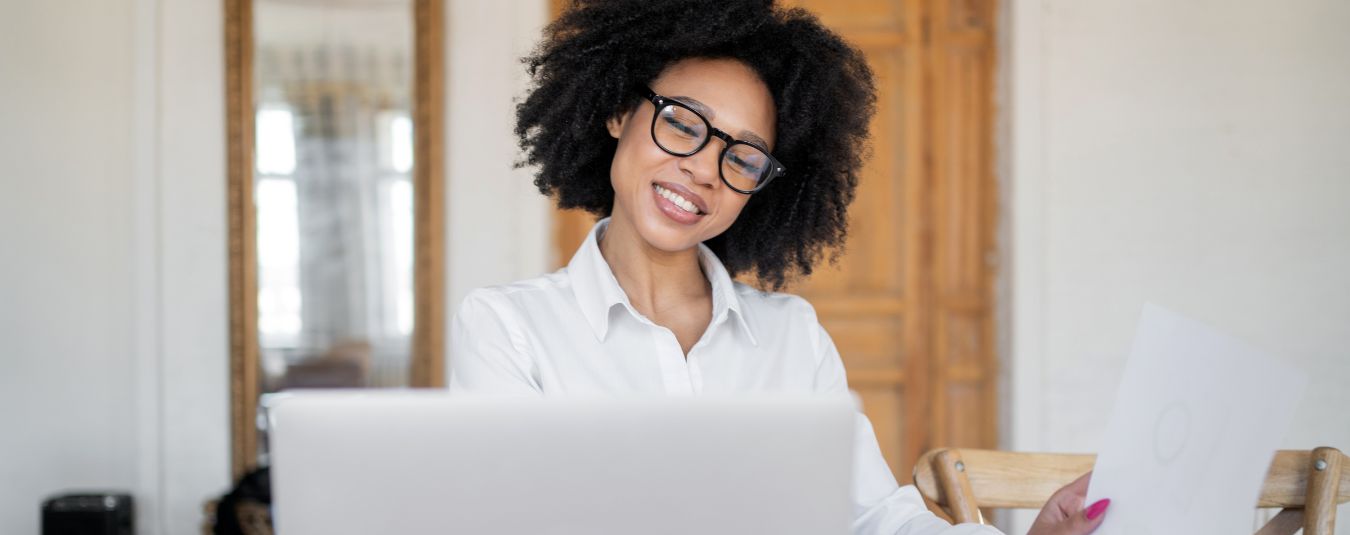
(702, 166)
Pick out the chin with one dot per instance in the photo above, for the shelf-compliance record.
(666, 236)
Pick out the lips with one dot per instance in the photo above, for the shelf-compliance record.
(682, 197)
(676, 208)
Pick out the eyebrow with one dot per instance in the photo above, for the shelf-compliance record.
(746, 135)
(699, 106)
(743, 135)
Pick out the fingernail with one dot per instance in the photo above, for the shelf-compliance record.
(1095, 510)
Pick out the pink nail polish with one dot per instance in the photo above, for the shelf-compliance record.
(1095, 510)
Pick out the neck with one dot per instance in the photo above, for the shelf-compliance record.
(654, 280)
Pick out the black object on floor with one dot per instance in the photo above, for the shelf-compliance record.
(88, 514)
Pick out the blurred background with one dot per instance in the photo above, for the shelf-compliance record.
(206, 201)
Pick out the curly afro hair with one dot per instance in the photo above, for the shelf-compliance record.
(598, 53)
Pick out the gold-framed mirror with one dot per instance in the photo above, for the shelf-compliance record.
(334, 128)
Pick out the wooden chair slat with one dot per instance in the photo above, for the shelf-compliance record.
(1286, 522)
(951, 472)
(1323, 487)
(1013, 480)
(1287, 480)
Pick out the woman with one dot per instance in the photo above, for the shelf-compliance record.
(716, 138)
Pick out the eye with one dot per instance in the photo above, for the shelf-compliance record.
(683, 128)
(683, 123)
(747, 162)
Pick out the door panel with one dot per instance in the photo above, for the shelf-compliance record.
(960, 59)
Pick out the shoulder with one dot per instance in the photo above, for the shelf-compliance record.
(778, 305)
(786, 325)
(778, 312)
(518, 296)
(509, 311)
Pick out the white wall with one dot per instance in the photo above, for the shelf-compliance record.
(113, 303)
(192, 372)
(498, 225)
(67, 406)
(1188, 153)
(112, 224)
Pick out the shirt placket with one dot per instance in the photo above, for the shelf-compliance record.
(695, 359)
(675, 371)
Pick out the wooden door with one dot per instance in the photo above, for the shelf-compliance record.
(910, 304)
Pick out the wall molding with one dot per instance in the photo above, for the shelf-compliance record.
(147, 252)
(1026, 180)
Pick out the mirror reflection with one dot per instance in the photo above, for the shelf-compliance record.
(333, 192)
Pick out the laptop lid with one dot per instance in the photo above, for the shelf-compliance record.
(411, 463)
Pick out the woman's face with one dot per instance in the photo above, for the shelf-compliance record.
(653, 190)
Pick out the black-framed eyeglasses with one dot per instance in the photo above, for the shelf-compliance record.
(682, 131)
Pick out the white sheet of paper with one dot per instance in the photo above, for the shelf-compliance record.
(1197, 420)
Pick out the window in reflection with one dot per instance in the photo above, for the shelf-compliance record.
(396, 204)
(333, 188)
(399, 194)
(276, 141)
(396, 142)
(279, 301)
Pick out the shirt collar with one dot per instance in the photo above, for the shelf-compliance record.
(597, 291)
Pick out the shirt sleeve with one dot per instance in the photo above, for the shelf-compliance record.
(881, 506)
(488, 352)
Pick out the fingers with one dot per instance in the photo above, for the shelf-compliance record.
(1080, 485)
(1077, 488)
(1078, 522)
(1069, 498)
(1065, 514)
(1089, 519)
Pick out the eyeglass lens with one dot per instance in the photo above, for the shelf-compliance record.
(679, 130)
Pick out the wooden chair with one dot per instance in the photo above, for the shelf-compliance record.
(1306, 485)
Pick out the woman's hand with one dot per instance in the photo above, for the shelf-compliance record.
(1064, 513)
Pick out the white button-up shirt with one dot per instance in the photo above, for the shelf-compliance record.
(574, 332)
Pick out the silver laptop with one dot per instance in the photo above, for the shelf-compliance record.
(414, 463)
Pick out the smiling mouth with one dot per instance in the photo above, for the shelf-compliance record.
(677, 200)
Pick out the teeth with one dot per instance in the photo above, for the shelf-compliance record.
(677, 200)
